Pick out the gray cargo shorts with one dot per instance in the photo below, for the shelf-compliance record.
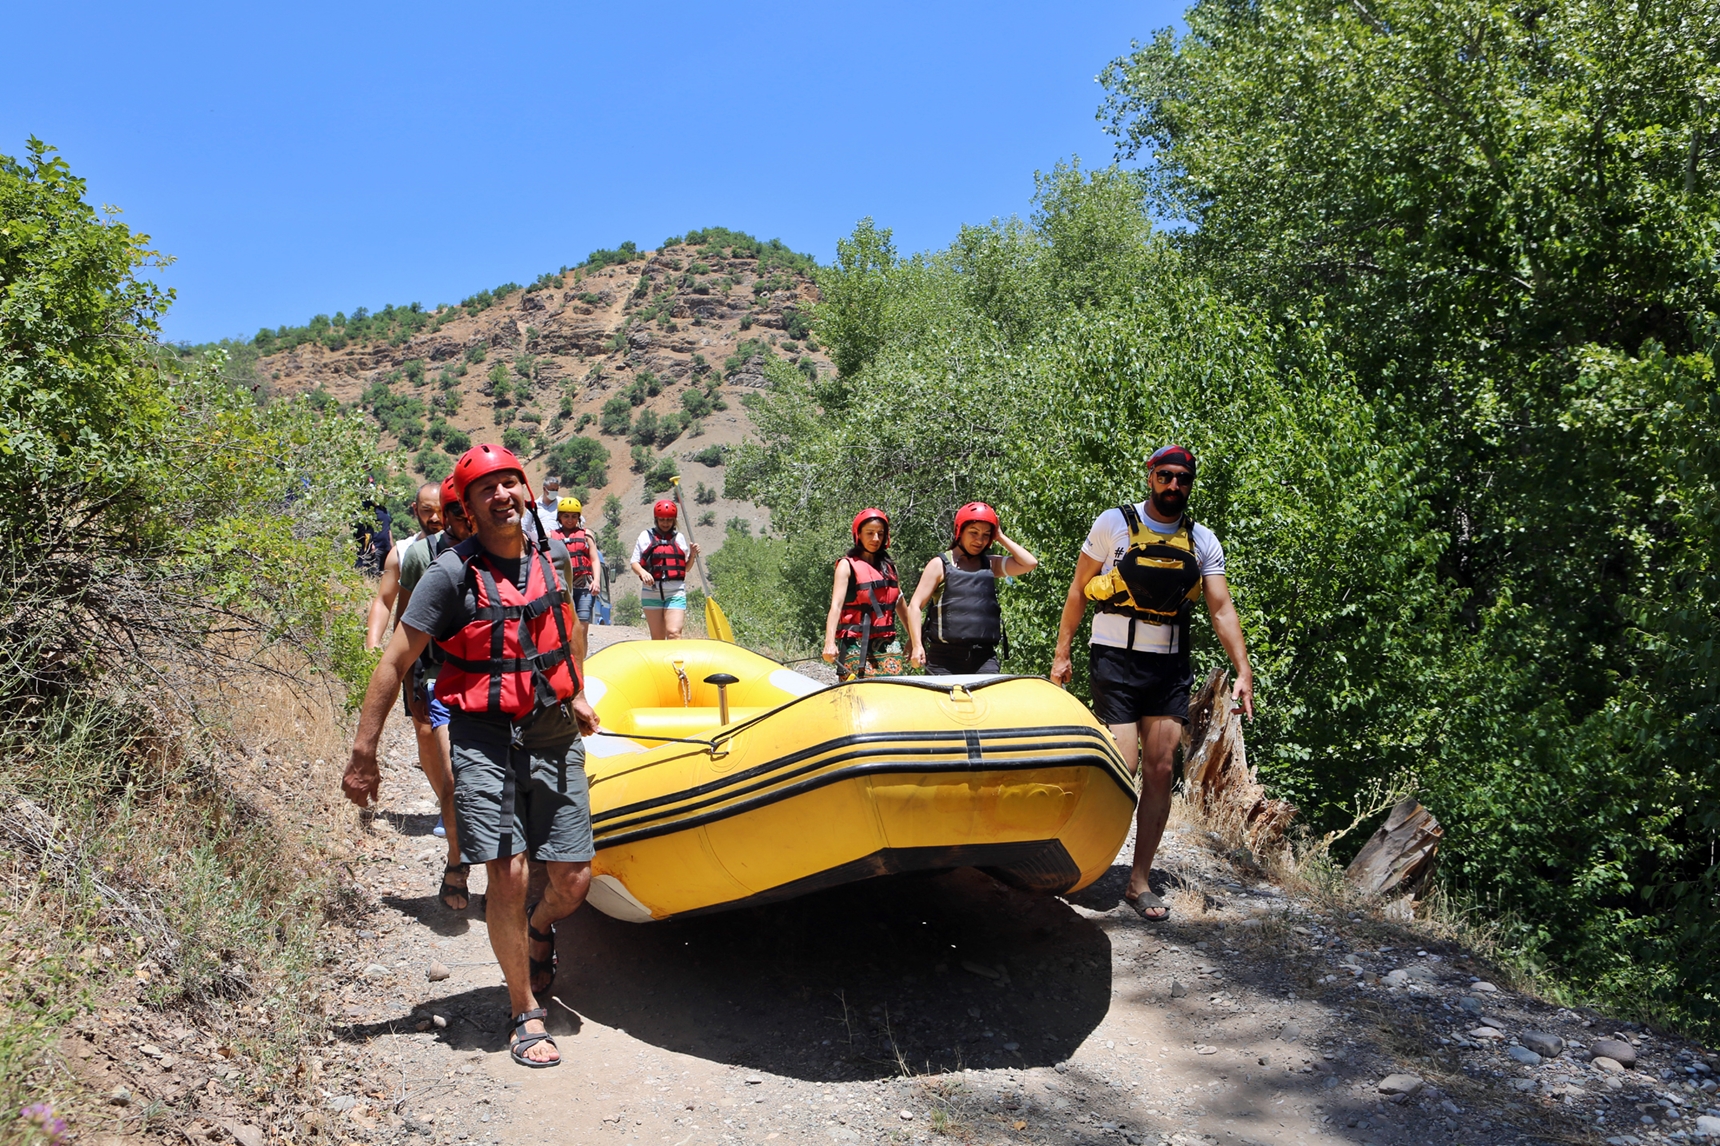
(510, 799)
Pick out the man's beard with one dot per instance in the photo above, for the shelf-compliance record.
(1170, 502)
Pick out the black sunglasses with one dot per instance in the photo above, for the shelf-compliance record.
(1174, 477)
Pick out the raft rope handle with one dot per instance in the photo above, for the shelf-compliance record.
(711, 744)
(686, 685)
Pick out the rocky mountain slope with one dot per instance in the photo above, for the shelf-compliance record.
(641, 353)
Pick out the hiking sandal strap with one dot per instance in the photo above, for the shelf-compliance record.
(538, 936)
(521, 1020)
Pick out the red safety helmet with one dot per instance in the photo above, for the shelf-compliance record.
(976, 511)
(487, 459)
(866, 515)
(665, 507)
(449, 495)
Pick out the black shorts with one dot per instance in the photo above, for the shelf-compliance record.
(1129, 686)
(960, 659)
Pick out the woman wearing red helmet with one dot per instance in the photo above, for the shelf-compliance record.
(865, 603)
(965, 625)
(660, 558)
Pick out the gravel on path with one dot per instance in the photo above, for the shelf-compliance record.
(951, 1008)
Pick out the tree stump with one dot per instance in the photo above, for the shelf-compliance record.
(1216, 776)
(1400, 856)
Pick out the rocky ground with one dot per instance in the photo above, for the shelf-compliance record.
(946, 1008)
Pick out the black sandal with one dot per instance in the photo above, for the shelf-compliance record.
(544, 967)
(451, 889)
(522, 1040)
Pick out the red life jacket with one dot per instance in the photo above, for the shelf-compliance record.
(872, 596)
(579, 567)
(512, 658)
(664, 559)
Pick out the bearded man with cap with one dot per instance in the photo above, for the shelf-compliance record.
(497, 608)
(1145, 566)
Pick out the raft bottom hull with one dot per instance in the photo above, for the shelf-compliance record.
(1031, 865)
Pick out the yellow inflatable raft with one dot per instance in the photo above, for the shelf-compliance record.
(807, 786)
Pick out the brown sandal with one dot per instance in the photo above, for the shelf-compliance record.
(449, 890)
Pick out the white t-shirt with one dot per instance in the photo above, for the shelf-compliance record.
(644, 543)
(548, 519)
(1107, 542)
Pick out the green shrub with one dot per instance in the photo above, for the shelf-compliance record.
(580, 461)
(456, 442)
(746, 321)
(739, 527)
(712, 456)
(219, 528)
(617, 416)
(795, 324)
(644, 428)
(585, 420)
(658, 477)
(433, 464)
(709, 517)
(695, 402)
(705, 495)
(530, 416)
(516, 439)
(669, 428)
(606, 257)
(641, 458)
(475, 353)
(628, 611)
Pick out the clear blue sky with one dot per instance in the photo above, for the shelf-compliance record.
(320, 157)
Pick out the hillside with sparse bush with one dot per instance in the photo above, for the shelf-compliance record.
(616, 374)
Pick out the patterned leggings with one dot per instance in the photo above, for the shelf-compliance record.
(853, 660)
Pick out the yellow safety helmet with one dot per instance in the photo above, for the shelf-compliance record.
(569, 505)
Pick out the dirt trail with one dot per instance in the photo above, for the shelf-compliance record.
(951, 1008)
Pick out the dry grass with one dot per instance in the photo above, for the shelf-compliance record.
(165, 859)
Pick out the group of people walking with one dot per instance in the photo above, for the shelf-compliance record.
(494, 599)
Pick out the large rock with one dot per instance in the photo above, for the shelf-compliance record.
(1401, 1084)
(1542, 1043)
(1524, 1055)
(1618, 1050)
(1707, 1126)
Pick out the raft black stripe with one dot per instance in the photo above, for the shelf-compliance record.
(616, 837)
(1080, 761)
(1085, 737)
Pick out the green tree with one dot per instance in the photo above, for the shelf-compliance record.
(851, 317)
(580, 462)
(1504, 217)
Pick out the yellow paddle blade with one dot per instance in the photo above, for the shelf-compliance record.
(717, 625)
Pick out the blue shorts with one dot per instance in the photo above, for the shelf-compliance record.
(438, 710)
(649, 598)
(584, 600)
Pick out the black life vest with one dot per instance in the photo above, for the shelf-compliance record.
(1156, 581)
(512, 659)
(964, 608)
(431, 658)
(579, 566)
(664, 558)
(869, 611)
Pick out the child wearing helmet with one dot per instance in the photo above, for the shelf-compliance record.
(660, 559)
(865, 603)
(964, 627)
(585, 564)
